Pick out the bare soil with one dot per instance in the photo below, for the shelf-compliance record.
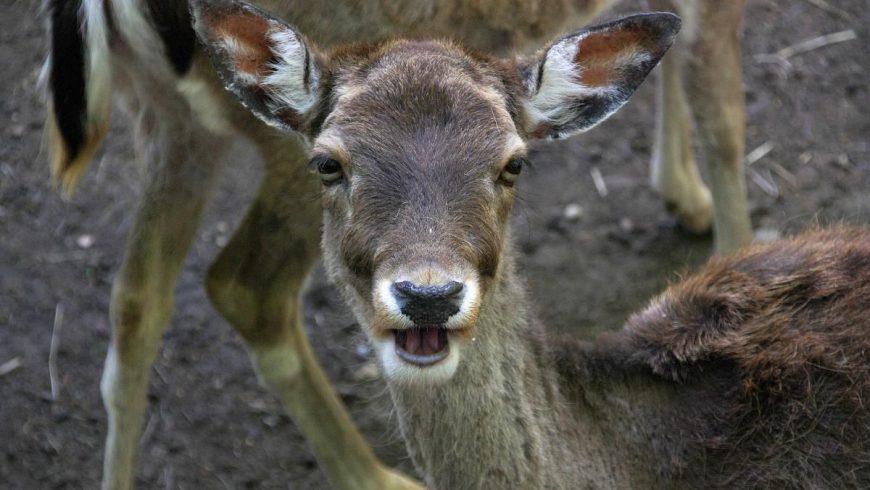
(210, 425)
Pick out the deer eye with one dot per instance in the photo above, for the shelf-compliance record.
(510, 171)
(329, 169)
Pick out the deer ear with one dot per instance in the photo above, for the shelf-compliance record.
(583, 78)
(261, 59)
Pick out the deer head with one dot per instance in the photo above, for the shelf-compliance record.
(418, 145)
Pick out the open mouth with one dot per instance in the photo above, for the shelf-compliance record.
(422, 346)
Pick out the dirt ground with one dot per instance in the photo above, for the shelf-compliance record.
(210, 425)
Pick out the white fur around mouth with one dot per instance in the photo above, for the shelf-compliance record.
(407, 368)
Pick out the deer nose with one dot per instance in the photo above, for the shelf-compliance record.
(428, 305)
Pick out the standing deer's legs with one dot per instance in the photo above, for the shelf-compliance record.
(255, 284)
(180, 171)
(674, 173)
(702, 76)
(714, 83)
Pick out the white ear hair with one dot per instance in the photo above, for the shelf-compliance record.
(585, 77)
(263, 61)
(292, 76)
(560, 82)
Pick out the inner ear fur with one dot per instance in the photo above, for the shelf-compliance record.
(264, 61)
(583, 78)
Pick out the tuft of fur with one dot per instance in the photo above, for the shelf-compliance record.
(261, 59)
(792, 318)
(583, 78)
(77, 76)
(78, 79)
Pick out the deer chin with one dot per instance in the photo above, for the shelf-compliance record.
(420, 355)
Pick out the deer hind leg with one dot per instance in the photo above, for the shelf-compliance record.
(180, 168)
(714, 85)
(674, 173)
(255, 284)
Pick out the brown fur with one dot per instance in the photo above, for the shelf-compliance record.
(183, 123)
(736, 377)
(751, 374)
(597, 53)
(67, 169)
(249, 31)
(792, 318)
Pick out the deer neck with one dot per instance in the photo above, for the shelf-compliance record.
(502, 421)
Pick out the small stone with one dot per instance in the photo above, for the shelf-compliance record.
(626, 225)
(764, 235)
(17, 130)
(221, 241)
(362, 351)
(805, 158)
(222, 227)
(320, 319)
(159, 452)
(843, 160)
(572, 212)
(85, 241)
(258, 405)
(367, 372)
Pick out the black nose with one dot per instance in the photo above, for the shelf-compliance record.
(428, 305)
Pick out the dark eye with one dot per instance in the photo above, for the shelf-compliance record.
(329, 169)
(510, 171)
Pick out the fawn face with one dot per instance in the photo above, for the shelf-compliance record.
(418, 175)
(418, 145)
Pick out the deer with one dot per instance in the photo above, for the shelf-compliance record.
(147, 56)
(752, 373)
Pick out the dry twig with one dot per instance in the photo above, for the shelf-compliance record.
(766, 184)
(169, 477)
(52, 351)
(759, 153)
(150, 427)
(598, 180)
(782, 56)
(784, 174)
(10, 365)
(827, 7)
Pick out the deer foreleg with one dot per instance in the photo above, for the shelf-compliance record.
(674, 173)
(180, 171)
(714, 84)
